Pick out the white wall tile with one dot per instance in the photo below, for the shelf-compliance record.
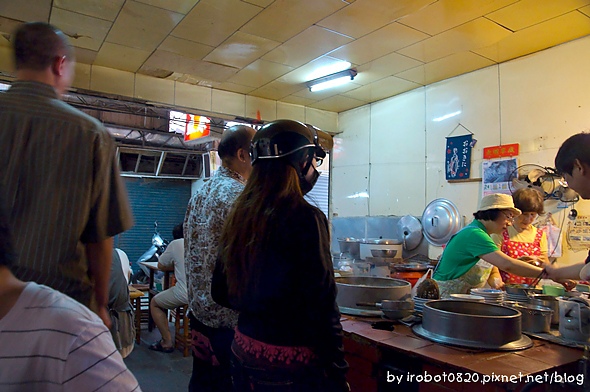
(290, 111)
(324, 120)
(82, 76)
(112, 81)
(350, 190)
(266, 107)
(351, 145)
(398, 130)
(154, 89)
(191, 96)
(228, 103)
(397, 189)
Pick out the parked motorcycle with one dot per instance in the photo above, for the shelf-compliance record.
(158, 247)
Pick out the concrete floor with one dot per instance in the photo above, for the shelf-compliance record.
(156, 371)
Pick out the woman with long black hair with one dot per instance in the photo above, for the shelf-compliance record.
(275, 268)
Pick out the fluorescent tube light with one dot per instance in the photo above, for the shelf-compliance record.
(333, 80)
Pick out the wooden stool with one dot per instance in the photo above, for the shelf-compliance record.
(138, 301)
(182, 338)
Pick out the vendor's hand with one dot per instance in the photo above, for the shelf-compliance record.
(496, 283)
(534, 260)
(567, 283)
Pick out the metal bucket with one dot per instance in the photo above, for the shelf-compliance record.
(535, 318)
(547, 301)
(472, 324)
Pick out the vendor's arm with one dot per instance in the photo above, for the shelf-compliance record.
(513, 266)
(544, 257)
(495, 279)
(574, 271)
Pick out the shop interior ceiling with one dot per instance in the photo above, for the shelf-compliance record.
(269, 48)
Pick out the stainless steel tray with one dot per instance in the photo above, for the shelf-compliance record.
(523, 343)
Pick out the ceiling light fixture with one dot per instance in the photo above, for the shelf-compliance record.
(332, 80)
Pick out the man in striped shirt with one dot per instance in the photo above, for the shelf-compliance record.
(48, 341)
(58, 171)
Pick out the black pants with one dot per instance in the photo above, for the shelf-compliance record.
(207, 377)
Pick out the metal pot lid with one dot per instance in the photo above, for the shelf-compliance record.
(410, 230)
(381, 241)
(440, 221)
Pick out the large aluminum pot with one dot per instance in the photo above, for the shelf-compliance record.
(472, 324)
(534, 318)
(547, 301)
(353, 290)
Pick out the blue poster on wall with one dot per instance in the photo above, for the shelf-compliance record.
(458, 157)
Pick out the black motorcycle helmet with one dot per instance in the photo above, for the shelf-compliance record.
(295, 142)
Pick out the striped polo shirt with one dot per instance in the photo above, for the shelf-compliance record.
(62, 186)
(49, 342)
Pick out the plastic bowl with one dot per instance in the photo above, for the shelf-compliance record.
(556, 291)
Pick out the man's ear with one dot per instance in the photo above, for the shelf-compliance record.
(243, 155)
(583, 167)
(58, 65)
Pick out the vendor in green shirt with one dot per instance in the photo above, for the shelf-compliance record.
(471, 254)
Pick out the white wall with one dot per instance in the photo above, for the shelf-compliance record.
(389, 158)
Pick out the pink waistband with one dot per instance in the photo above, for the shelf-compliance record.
(272, 353)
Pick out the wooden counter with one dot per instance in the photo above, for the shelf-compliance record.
(374, 354)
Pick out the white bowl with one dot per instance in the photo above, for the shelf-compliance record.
(467, 297)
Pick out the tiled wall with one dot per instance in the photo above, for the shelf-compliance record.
(389, 158)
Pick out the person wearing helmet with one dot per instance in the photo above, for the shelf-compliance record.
(275, 268)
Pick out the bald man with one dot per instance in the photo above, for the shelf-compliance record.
(58, 174)
(212, 326)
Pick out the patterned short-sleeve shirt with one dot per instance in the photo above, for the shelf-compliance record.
(203, 223)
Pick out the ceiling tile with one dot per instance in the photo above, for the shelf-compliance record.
(259, 73)
(476, 34)
(385, 66)
(240, 50)
(445, 14)
(297, 100)
(84, 31)
(298, 51)
(448, 67)
(162, 60)
(8, 26)
(381, 89)
(324, 94)
(142, 26)
(526, 13)
(305, 73)
(585, 10)
(287, 18)
(236, 88)
(275, 90)
(85, 56)
(260, 3)
(104, 9)
(538, 37)
(185, 47)
(180, 6)
(337, 104)
(121, 57)
(211, 22)
(378, 43)
(364, 16)
(26, 11)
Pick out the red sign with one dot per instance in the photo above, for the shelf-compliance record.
(506, 150)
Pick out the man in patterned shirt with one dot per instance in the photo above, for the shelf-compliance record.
(212, 326)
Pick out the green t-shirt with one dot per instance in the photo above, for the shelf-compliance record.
(463, 251)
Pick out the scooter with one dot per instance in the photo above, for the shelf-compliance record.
(158, 247)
